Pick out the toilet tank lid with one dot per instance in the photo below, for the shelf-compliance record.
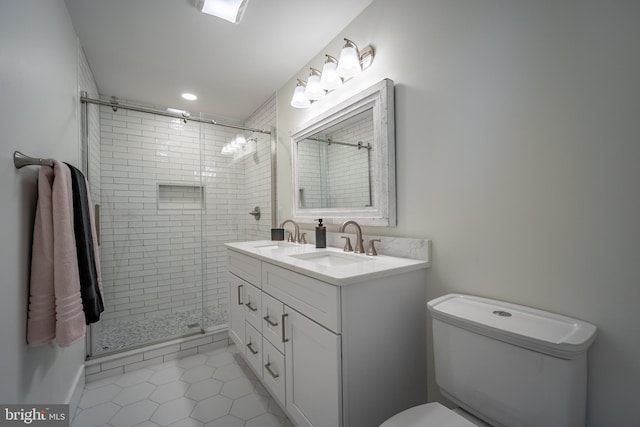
(535, 329)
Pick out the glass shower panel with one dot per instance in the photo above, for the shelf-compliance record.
(234, 184)
(153, 199)
(170, 198)
(223, 180)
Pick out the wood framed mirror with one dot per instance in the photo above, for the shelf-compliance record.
(344, 161)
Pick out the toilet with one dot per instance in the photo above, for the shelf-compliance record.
(504, 364)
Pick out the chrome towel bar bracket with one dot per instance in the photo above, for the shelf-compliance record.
(21, 160)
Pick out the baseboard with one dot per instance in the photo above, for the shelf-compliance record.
(73, 398)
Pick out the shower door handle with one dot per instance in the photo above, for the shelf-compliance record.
(96, 223)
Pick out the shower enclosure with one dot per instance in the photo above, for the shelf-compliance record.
(169, 193)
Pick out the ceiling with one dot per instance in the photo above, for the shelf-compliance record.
(151, 51)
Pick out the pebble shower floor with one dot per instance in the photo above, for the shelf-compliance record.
(123, 335)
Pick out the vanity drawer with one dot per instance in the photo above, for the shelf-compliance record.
(245, 267)
(274, 371)
(272, 311)
(253, 340)
(253, 306)
(318, 300)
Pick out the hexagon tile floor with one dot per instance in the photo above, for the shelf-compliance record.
(215, 389)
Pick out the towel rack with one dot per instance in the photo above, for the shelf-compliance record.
(21, 160)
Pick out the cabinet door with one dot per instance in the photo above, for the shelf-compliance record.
(272, 311)
(253, 304)
(236, 311)
(313, 372)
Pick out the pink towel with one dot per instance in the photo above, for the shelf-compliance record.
(41, 325)
(55, 305)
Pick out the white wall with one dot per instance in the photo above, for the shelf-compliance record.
(39, 111)
(517, 154)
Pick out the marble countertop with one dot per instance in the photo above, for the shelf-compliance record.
(331, 265)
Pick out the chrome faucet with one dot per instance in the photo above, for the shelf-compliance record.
(295, 238)
(359, 245)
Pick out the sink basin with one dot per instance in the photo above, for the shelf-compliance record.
(330, 259)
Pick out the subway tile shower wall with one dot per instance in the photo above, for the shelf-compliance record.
(258, 174)
(156, 256)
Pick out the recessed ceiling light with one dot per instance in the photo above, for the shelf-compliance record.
(189, 96)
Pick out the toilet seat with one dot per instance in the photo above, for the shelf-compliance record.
(427, 415)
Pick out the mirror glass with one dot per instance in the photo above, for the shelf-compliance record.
(344, 163)
(335, 165)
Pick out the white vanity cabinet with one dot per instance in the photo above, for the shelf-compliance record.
(332, 354)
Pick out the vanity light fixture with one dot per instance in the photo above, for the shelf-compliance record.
(314, 91)
(330, 79)
(351, 63)
(299, 99)
(229, 10)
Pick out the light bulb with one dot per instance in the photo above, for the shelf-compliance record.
(313, 90)
(299, 99)
(330, 79)
(349, 62)
(229, 10)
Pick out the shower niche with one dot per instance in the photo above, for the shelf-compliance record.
(180, 196)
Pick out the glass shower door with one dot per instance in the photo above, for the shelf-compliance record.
(152, 202)
(170, 198)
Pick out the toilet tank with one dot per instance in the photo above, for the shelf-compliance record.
(511, 365)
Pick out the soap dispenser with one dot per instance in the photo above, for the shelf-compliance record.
(321, 235)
